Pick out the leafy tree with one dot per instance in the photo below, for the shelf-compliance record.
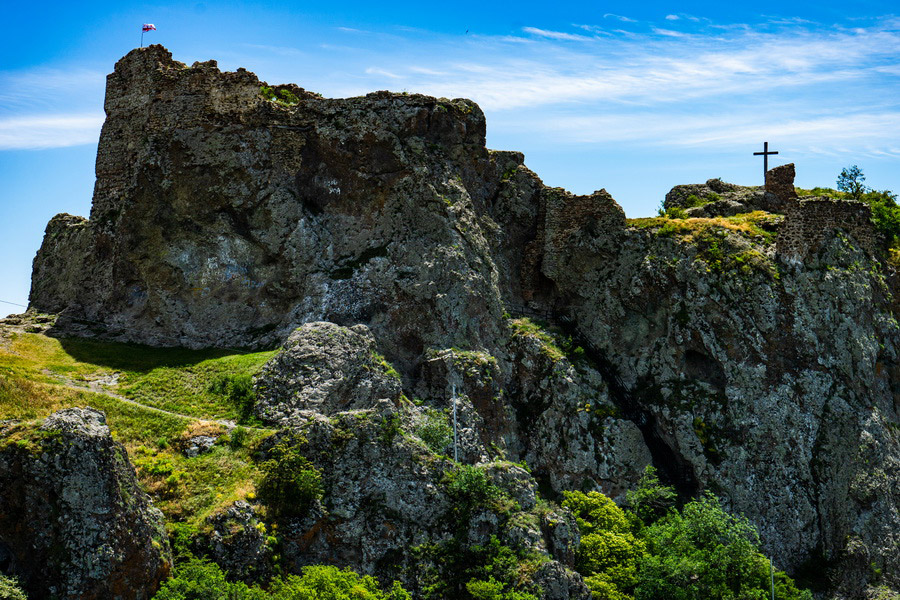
(850, 181)
(651, 500)
(199, 579)
(290, 483)
(609, 553)
(703, 552)
(330, 583)
(885, 214)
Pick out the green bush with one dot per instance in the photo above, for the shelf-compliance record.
(199, 579)
(703, 552)
(885, 214)
(202, 580)
(10, 590)
(651, 500)
(288, 97)
(676, 212)
(238, 438)
(237, 389)
(290, 483)
(609, 553)
(331, 583)
(435, 431)
(474, 572)
(470, 489)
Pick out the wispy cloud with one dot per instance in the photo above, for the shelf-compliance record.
(619, 17)
(555, 35)
(28, 133)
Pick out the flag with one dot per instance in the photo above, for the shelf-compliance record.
(148, 27)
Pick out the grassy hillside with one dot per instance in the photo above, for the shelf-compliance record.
(133, 385)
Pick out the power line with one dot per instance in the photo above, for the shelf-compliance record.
(13, 303)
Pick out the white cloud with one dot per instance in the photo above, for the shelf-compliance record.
(555, 35)
(672, 17)
(383, 72)
(619, 17)
(54, 131)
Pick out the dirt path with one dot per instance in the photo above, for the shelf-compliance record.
(98, 387)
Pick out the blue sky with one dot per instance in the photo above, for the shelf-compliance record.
(634, 98)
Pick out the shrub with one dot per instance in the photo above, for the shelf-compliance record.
(470, 489)
(199, 579)
(331, 583)
(676, 212)
(488, 571)
(288, 97)
(10, 589)
(435, 431)
(290, 483)
(237, 389)
(703, 552)
(651, 500)
(238, 438)
(609, 553)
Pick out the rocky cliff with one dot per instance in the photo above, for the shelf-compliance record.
(755, 355)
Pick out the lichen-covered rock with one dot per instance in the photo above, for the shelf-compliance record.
(238, 543)
(386, 494)
(760, 381)
(324, 368)
(73, 519)
(223, 218)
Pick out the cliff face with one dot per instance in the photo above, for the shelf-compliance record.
(756, 356)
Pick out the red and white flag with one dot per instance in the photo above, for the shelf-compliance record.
(148, 27)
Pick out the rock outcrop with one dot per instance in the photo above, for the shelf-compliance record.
(390, 508)
(717, 198)
(74, 523)
(759, 362)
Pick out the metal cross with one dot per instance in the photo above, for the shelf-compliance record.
(765, 154)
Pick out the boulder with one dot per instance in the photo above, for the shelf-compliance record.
(74, 522)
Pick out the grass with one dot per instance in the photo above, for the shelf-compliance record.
(173, 379)
(34, 369)
(747, 225)
(555, 345)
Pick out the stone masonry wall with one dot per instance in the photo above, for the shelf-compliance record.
(808, 223)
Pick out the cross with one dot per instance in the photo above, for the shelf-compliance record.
(765, 154)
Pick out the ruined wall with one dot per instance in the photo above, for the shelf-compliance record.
(808, 223)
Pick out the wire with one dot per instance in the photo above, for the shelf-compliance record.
(13, 303)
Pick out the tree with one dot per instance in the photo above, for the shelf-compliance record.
(850, 181)
(609, 553)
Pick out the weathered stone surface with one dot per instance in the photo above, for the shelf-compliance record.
(222, 218)
(73, 519)
(386, 493)
(324, 368)
(811, 223)
(716, 198)
(237, 543)
(761, 382)
(780, 182)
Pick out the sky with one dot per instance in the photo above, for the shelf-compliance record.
(631, 97)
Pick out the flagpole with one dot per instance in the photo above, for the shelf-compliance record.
(142, 36)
